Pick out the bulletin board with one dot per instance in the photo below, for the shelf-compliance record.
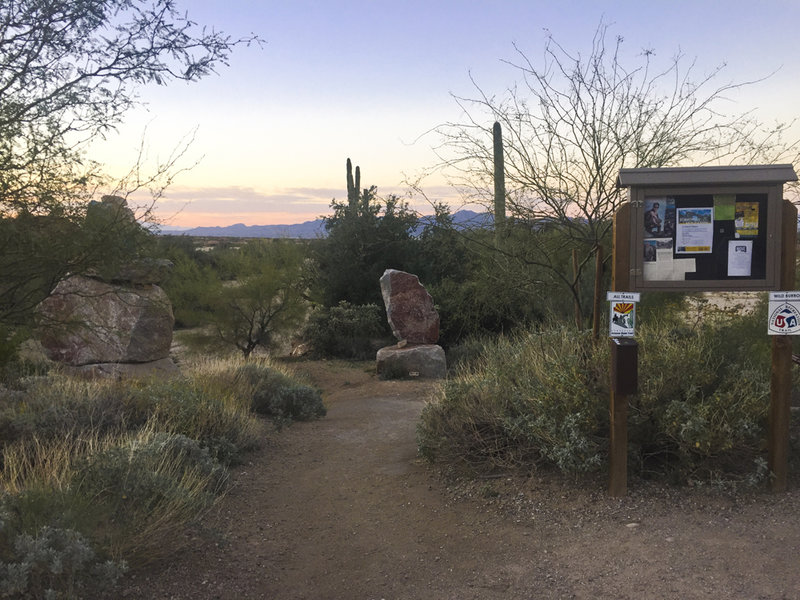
(700, 236)
(704, 237)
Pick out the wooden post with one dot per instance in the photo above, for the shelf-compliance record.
(618, 405)
(781, 373)
(624, 382)
(598, 290)
(575, 302)
(621, 263)
(618, 449)
(780, 411)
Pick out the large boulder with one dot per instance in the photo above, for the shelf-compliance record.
(409, 308)
(412, 360)
(86, 321)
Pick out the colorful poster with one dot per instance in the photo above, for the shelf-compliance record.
(654, 212)
(659, 216)
(747, 219)
(695, 231)
(740, 258)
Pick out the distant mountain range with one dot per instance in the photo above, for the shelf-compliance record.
(313, 229)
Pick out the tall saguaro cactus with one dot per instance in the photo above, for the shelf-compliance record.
(353, 187)
(499, 179)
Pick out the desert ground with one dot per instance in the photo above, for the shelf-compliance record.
(343, 508)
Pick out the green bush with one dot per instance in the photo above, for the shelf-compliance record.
(279, 397)
(212, 417)
(542, 399)
(147, 491)
(56, 563)
(703, 400)
(347, 331)
(533, 399)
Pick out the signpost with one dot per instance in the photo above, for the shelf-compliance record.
(622, 320)
(624, 382)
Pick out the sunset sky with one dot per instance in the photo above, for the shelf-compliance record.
(368, 79)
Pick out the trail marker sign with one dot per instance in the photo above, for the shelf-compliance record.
(622, 320)
(784, 313)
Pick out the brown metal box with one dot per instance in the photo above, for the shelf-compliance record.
(624, 366)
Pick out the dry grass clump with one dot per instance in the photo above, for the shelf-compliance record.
(99, 474)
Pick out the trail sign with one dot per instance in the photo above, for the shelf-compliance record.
(622, 320)
(784, 313)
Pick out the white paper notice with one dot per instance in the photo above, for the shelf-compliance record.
(740, 258)
(695, 231)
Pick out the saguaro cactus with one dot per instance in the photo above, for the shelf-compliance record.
(499, 178)
(353, 187)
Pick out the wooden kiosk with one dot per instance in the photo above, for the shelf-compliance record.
(705, 229)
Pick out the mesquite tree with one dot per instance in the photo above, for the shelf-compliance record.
(573, 121)
(69, 72)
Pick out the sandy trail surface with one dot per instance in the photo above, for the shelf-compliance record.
(342, 508)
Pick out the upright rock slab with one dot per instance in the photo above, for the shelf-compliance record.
(409, 308)
(415, 323)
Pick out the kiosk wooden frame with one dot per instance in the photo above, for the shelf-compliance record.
(732, 206)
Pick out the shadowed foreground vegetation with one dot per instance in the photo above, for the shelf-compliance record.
(100, 475)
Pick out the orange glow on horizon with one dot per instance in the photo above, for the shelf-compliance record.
(216, 219)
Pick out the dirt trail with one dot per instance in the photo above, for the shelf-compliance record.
(342, 509)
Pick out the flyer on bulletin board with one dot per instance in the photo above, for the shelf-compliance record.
(740, 258)
(695, 231)
(747, 219)
(724, 207)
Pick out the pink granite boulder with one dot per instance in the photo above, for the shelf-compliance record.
(409, 308)
(86, 321)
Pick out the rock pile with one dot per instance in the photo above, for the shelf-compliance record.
(415, 323)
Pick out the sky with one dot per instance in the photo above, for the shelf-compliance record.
(371, 80)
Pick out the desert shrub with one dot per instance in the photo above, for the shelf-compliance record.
(542, 399)
(121, 469)
(533, 399)
(279, 397)
(347, 330)
(53, 407)
(55, 563)
(146, 491)
(701, 411)
(216, 418)
(292, 403)
(128, 498)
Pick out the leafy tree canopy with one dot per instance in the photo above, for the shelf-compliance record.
(69, 72)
